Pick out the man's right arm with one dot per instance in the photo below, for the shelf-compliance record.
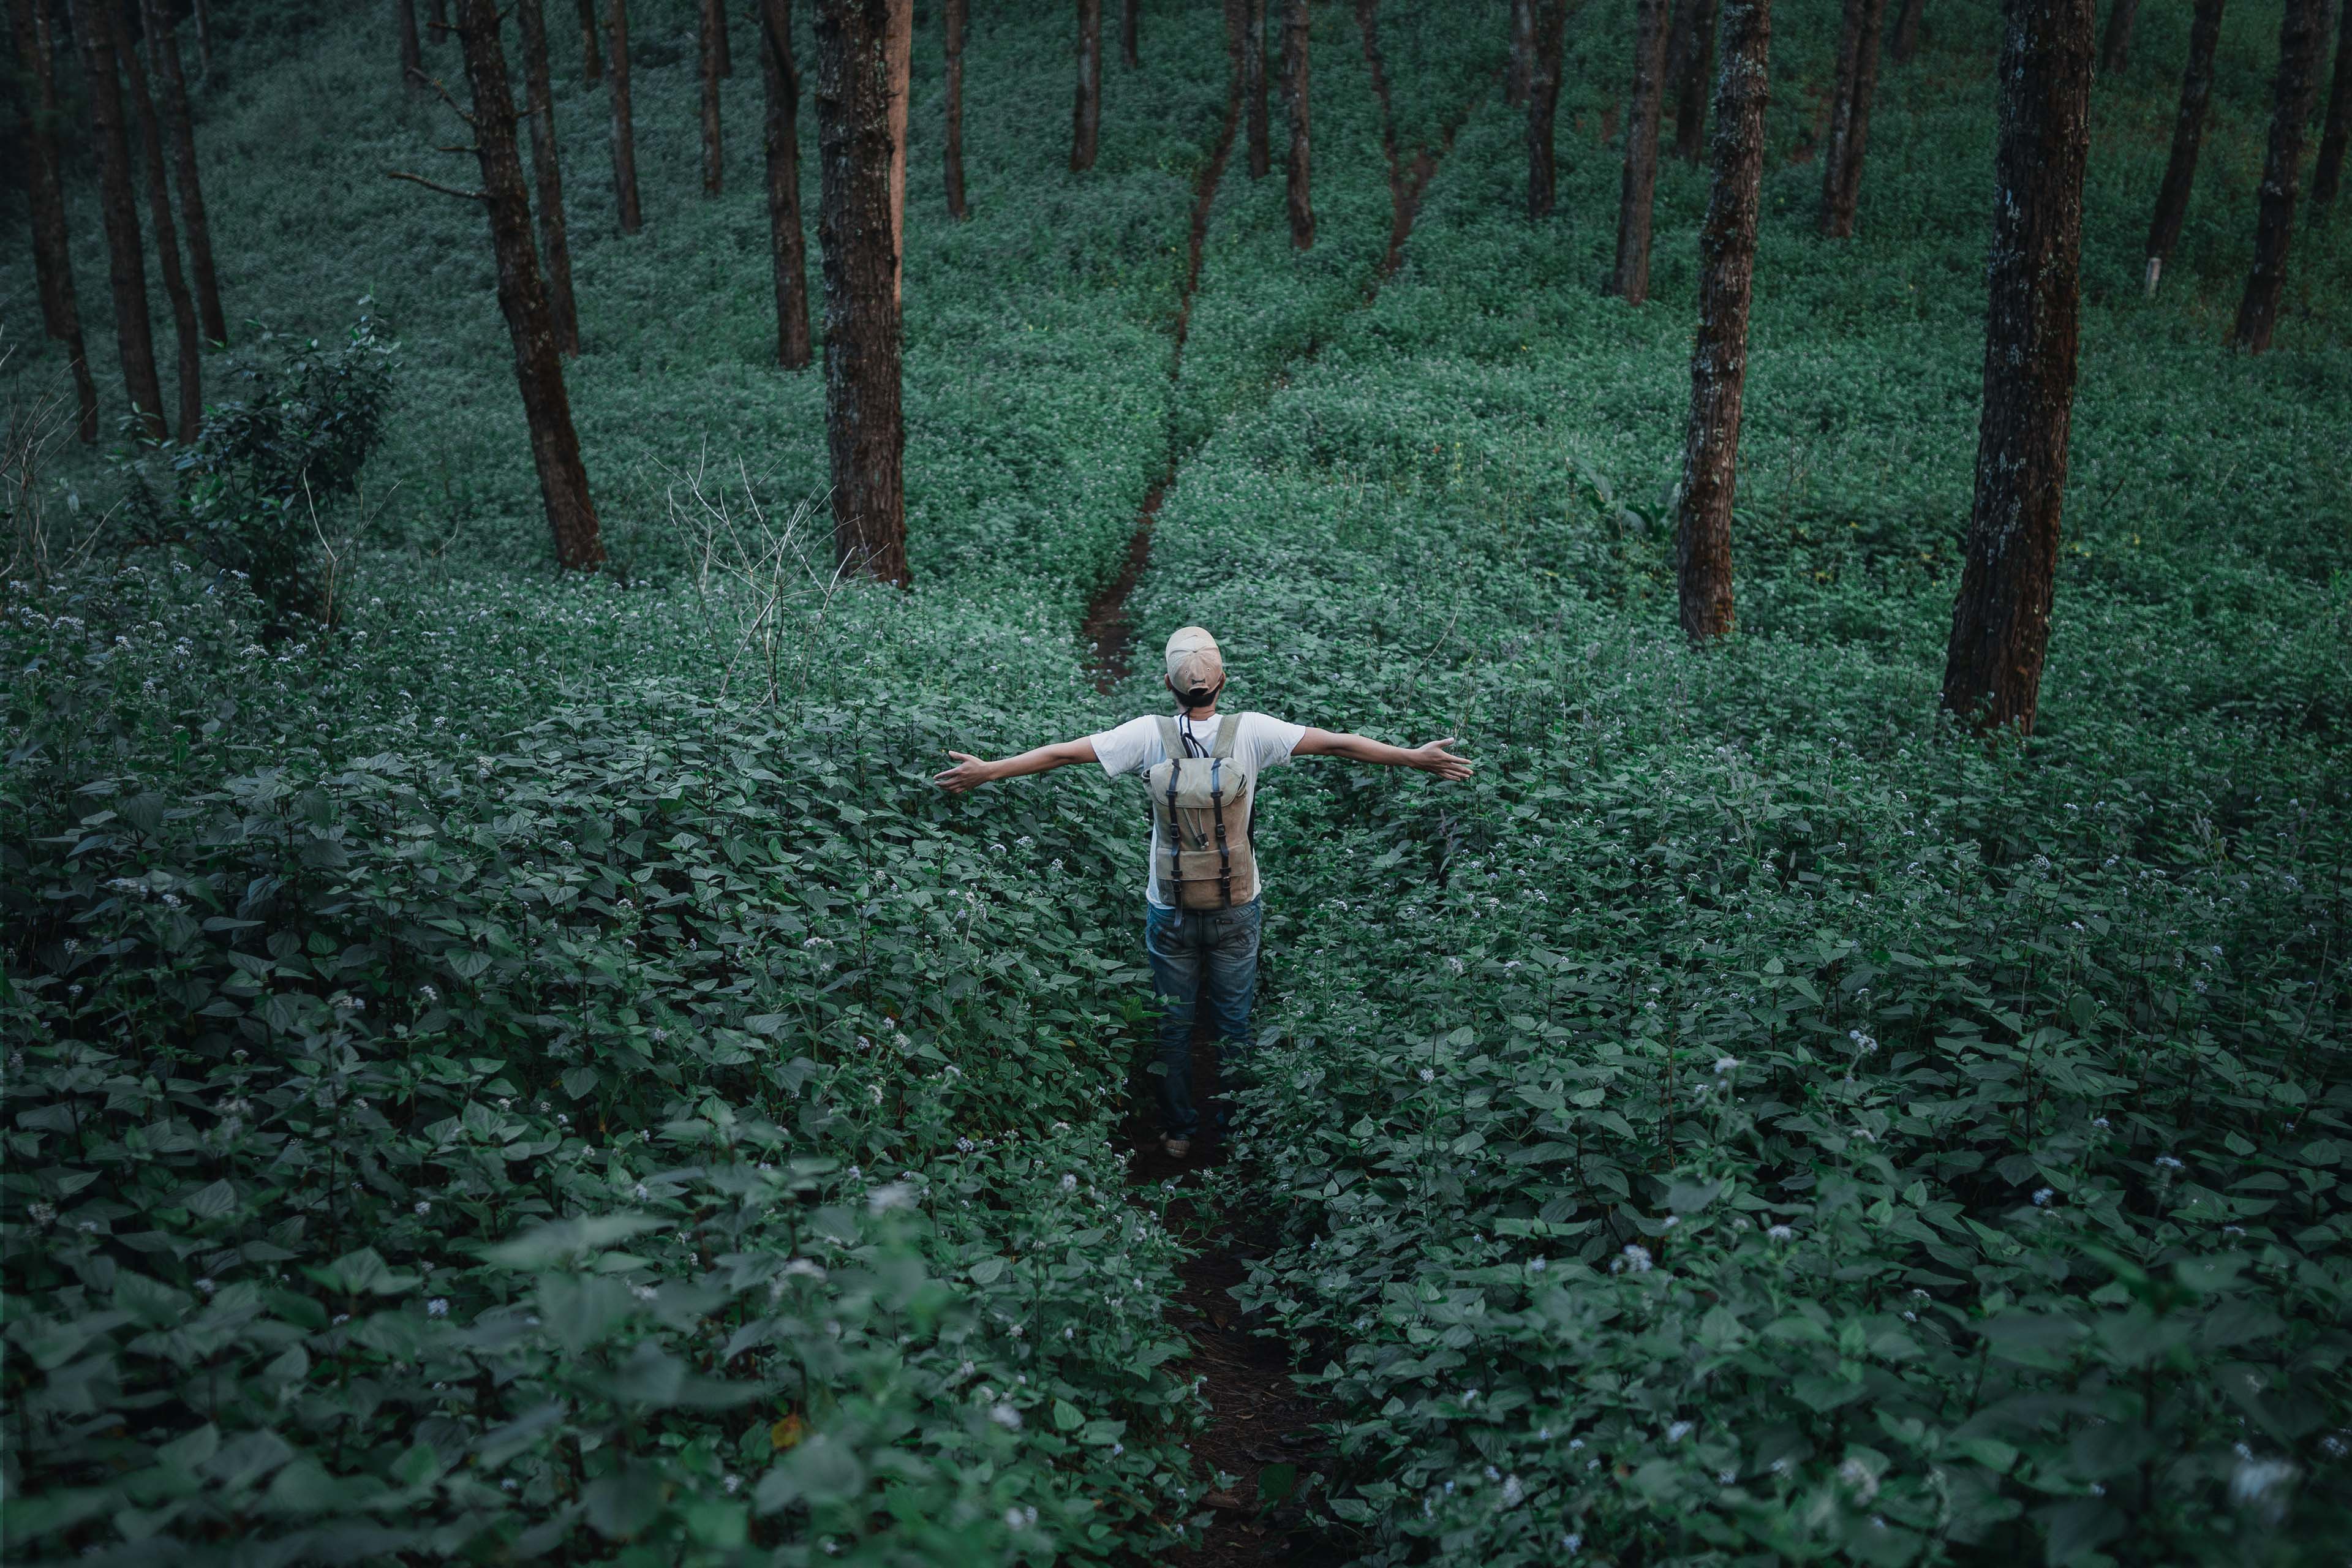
(970, 770)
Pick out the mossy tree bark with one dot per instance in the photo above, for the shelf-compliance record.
(547, 172)
(624, 129)
(117, 207)
(781, 75)
(2327, 174)
(1849, 132)
(1719, 359)
(710, 44)
(1255, 127)
(855, 233)
(1694, 72)
(951, 22)
(1295, 76)
(2187, 137)
(523, 295)
(2301, 29)
(44, 199)
(1631, 279)
(2000, 620)
(1085, 114)
(185, 331)
(1543, 109)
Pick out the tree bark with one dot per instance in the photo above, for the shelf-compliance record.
(2000, 620)
(135, 333)
(522, 297)
(952, 20)
(1260, 139)
(1543, 108)
(2300, 31)
(1086, 118)
(547, 171)
(855, 235)
(2115, 46)
(440, 15)
(625, 130)
(1130, 25)
(711, 44)
(1294, 82)
(165, 44)
(1631, 280)
(204, 36)
(2187, 137)
(1518, 79)
(1849, 132)
(592, 62)
(722, 44)
(44, 196)
(190, 335)
(1905, 41)
(900, 54)
(781, 76)
(411, 53)
(1719, 360)
(2327, 176)
(1691, 82)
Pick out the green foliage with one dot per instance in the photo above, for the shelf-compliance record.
(246, 492)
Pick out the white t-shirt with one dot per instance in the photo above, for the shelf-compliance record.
(1135, 747)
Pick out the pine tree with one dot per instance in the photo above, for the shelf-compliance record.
(2301, 27)
(780, 73)
(1257, 133)
(1130, 24)
(2327, 174)
(411, 53)
(1849, 132)
(592, 63)
(625, 130)
(185, 329)
(1905, 43)
(163, 45)
(1293, 85)
(547, 171)
(2115, 48)
(1631, 279)
(710, 45)
(951, 22)
(1086, 117)
(44, 196)
(2187, 136)
(118, 206)
(1543, 108)
(1719, 360)
(1519, 73)
(857, 237)
(2001, 619)
(1692, 79)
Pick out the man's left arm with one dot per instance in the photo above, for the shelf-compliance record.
(1431, 758)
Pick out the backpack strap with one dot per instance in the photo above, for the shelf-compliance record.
(1172, 737)
(1228, 733)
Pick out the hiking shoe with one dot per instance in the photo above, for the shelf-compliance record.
(1175, 1148)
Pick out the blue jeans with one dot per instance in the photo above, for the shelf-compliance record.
(1199, 955)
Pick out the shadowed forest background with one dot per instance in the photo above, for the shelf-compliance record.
(503, 1062)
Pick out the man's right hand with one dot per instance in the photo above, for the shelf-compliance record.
(969, 770)
(1434, 758)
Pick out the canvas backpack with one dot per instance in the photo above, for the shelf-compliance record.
(1201, 806)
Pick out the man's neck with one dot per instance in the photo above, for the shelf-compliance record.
(1197, 714)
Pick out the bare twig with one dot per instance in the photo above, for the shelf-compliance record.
(436, 185)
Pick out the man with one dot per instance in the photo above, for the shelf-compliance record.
(1202, 901)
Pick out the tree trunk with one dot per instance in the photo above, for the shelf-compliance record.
(439, 14)
(625, 130)
(899, 53)
(523, 298)
(1692, 82)
(1849, 134)
(2299, 39)
(1519, 77)
(547, 169)
(1719, 360)
(854, 232)
(1632, 278)
(1543, 108)
(1905, 41)
(781, 76)
(1294, 84)
(591, 61)
(2115, 46)
(135, 334)
(711, 43)
(204, 36)
(2001, 621)
(165, 44)
(184, 325)
(2187, 136)
(411, 53)
(952, 19)
(722, 44)
(1261, 151)
(44, 196)
(1131, 23)
(2327, 176)
(1085, 119)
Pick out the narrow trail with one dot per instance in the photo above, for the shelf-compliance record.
(1262, 1431)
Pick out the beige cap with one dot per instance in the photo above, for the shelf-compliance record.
(1193, 659)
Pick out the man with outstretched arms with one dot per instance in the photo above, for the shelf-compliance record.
(1202, 903)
